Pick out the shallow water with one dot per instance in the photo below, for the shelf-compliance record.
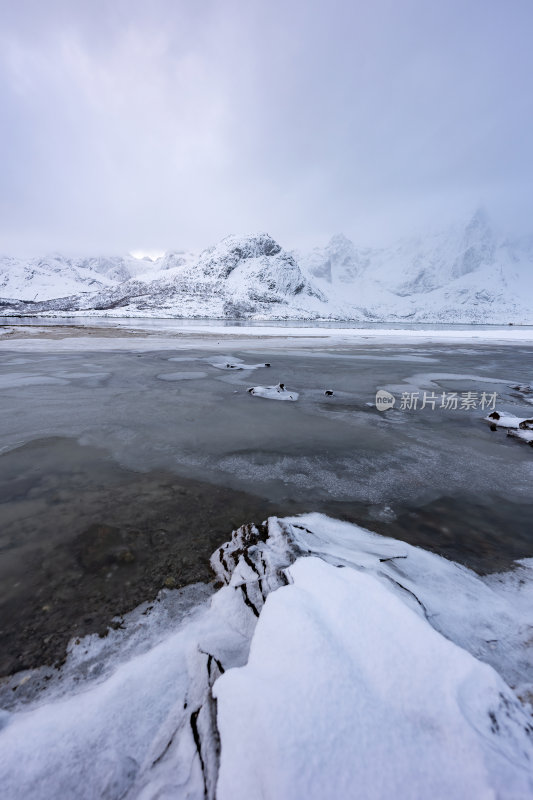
(83, 539)
(121, 471)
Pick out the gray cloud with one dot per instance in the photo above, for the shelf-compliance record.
(168, 124)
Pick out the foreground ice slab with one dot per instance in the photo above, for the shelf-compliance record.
(348, 692)
(363, 652)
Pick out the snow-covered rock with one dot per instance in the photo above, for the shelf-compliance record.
(508, 421)
(278, 392)
(517, 427)
(375, 669)
(348, 692)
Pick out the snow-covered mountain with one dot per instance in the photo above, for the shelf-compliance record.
(463, 274)
(57, 276)
(44, 278)
(242, 276)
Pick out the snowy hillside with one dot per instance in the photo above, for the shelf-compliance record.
(59, 276)
(464, 274)
(45, 278)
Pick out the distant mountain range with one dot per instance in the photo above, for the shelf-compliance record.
(464, 274)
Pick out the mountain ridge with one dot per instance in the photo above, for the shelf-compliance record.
(462, 274)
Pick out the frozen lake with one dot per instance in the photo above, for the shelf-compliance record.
(121, 469)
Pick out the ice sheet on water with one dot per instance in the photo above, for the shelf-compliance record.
(232, 363)
(18, 380)
(182, 376)
(434, 379)
(94, 658)
(524, 436)
(104, 733)
(18, 361)
(73, 375)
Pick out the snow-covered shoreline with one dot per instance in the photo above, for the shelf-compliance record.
(424, 653)
(129, 333)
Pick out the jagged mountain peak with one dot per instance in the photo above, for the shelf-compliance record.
(222, 258)
(340, 260)
(480, 220)
(339, 241)
(254, 269)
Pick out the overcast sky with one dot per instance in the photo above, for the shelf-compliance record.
(168, 124)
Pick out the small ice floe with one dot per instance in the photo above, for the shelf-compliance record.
(18, 380)
(525, 391)
(526, 388)
(518, 427)
(278, 392)
(181, 376)
(524, 435)
(235, 364)
(384, 514)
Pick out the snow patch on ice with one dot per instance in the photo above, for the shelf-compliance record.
(273, 392)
